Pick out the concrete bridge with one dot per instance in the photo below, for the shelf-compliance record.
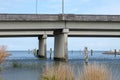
(59, 26)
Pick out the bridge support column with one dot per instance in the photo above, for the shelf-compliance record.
(42, 46)
(61, 44)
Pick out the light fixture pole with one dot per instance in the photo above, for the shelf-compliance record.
(63, 9)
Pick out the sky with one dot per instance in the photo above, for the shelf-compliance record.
(102, 7)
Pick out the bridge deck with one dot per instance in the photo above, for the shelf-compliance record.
(78, 25)
(58, 17)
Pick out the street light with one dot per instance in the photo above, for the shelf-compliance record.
(63, 9)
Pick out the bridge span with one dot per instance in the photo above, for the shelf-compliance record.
(59, 26)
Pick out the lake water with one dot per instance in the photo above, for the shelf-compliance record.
(30, 68)
(71, 55)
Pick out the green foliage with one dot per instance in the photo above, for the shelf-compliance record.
(16, 65)
(48, 78)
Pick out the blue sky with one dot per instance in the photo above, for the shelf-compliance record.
(111, 7)
(54, 6)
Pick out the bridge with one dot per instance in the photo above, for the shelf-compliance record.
(60, 27)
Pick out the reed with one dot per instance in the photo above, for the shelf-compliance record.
(89, 72)
(61, 72)
(3, 53)
(96, 72)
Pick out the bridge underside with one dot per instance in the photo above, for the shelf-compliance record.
(76, 28)
(50, 33)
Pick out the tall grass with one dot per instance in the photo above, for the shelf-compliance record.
(95, 72)
(90, 72)
(62, 72)
(3, 53)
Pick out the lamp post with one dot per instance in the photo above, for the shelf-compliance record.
(63, 9)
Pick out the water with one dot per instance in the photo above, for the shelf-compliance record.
(71, 55)
(30, 68)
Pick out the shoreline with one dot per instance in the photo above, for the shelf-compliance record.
(111, 52)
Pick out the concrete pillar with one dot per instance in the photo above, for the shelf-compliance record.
(61, 44)
(42, 46)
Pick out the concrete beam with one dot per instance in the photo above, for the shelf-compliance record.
(51, 26)
(94, 33)
(31, 26)
(75, 26)
(24, 33)
(58, 17)
(76, 33)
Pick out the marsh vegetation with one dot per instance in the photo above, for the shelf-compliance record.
(89, 72)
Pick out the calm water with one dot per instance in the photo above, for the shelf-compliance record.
(71, 55)
(30, 68)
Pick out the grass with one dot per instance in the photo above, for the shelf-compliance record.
(95, 72)
(90, 72)
(16, 65)
(61, 72)
(3, 53)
